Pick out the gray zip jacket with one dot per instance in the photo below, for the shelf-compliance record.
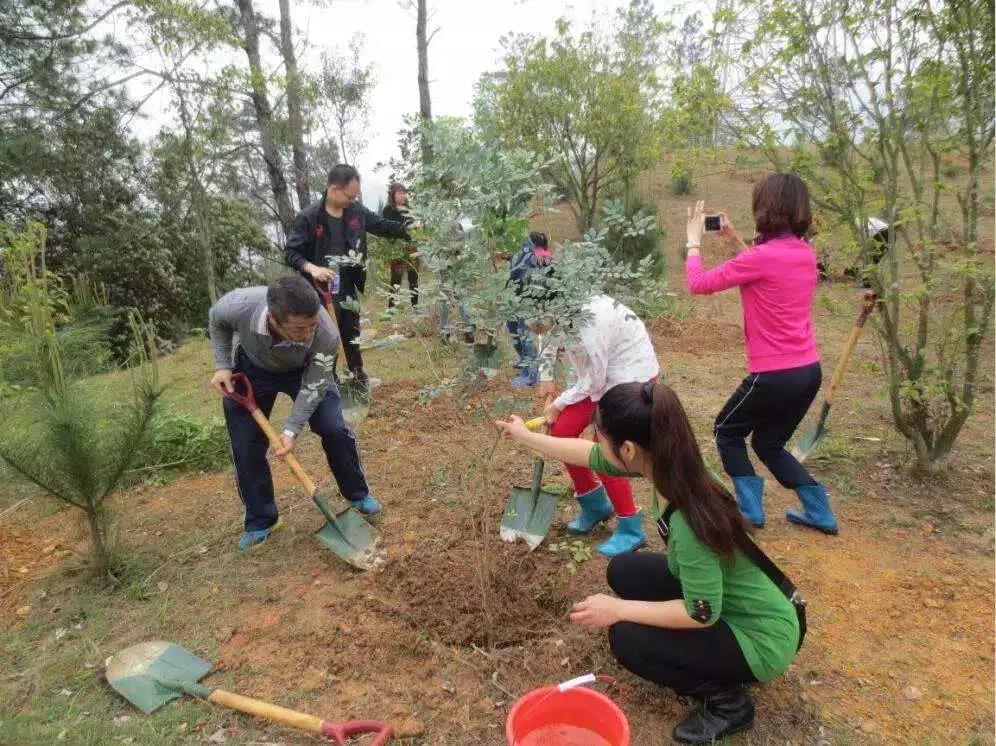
(244, 313)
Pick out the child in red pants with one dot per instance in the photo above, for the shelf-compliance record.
(614, 348)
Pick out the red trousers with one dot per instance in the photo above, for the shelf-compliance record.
(570, 424)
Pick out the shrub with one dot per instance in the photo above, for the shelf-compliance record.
(179, 441)
(634, 233)
(681, 179)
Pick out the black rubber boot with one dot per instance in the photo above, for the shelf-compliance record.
(721, 712)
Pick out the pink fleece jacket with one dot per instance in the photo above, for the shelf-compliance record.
(777, 280)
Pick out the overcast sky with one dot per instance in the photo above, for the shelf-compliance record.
(466, 45)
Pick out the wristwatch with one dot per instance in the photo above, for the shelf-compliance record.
(289, 434)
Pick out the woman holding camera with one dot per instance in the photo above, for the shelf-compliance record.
(705, 618)
(777, 279)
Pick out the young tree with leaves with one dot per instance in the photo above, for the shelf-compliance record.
(587, 103)
(344, 87)
(874, 106)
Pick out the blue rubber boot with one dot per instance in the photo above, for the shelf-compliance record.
(750, 491)
(528, 377)
(816, 512)
(252, 538)
(595, 508)
(369, 505)
(627, 536)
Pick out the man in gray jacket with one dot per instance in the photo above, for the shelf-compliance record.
(286, 344)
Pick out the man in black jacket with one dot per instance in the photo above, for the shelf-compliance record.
(329, 238)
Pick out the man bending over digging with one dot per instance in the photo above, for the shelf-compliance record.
(286, 343)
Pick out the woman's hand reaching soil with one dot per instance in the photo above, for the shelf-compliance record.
(597, 611)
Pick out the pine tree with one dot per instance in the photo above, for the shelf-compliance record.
(55, 435)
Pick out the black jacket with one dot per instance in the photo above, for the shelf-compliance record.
(398, 216)
(309, 240)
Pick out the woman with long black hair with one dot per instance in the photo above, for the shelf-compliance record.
(703, 619)
(777, 278)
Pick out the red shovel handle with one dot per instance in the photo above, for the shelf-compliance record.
(341, 732)
(325, 291)
(246, 399)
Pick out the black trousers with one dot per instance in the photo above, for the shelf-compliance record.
(768, 407)
(249, 444)
(683, 660)
(398, 269)
(352, 283)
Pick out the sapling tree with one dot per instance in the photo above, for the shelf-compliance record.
(475, 199)
(55, 435)
(586, 101)
(886, 110)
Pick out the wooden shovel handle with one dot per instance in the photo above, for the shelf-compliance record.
(326, 297)
(867, 306)
(249, 403)
(289, 459)
(338, 732)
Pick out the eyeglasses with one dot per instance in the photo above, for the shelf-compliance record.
(289, 335)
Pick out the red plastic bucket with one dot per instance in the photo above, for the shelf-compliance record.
(576, 717)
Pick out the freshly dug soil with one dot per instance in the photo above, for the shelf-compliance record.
(440, 592)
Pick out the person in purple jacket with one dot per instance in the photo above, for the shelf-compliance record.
(777, 279)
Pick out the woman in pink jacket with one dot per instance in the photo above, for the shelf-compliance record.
(777, 279)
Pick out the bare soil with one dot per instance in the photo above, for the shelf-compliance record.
(444, 637)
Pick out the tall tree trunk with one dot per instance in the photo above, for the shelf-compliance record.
(424, 102)
(198, 198)
(294, 107)
(264, 116)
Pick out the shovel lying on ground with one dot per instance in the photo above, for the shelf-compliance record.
(529, 511)
(346, 533)
(151, 674)
(355, 394)
(808, 442)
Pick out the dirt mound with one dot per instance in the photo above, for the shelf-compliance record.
(453, 597)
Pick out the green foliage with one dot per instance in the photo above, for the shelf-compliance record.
(681, 178)
(690, 122)
(181, 442)
(584, 102)
(875, 129)
(578, 552)
(491, 190)
(55, 435)
(343, 96)
(634, 233)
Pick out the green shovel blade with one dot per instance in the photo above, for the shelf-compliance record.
(808, 442)
(151, 674)
(348, 535)
(528, 516)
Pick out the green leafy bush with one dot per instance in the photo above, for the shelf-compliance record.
(634, 233)
(681, 179)
(179, 441)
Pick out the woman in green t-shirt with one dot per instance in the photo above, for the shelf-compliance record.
(702, 619)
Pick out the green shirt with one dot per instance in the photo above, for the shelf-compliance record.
(738, 592)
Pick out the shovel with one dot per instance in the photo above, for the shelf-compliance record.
(529, 511)
(808, 442)
(151, 674)
(346, 533)
(355, 395)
